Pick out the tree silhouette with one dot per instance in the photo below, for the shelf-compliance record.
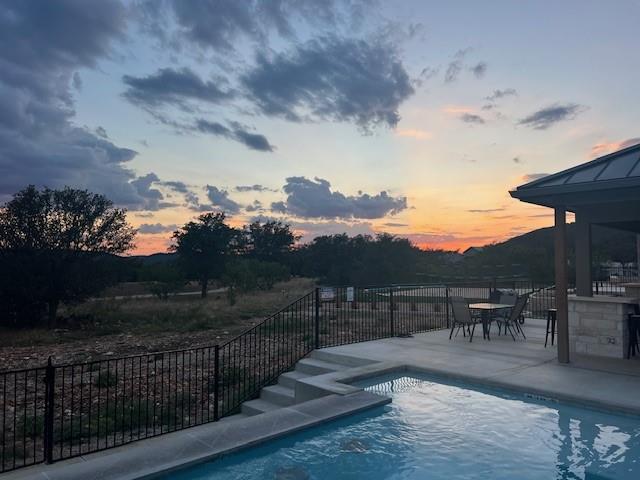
(53, 246)
(204, 246)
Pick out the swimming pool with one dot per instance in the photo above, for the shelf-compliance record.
(444, 430)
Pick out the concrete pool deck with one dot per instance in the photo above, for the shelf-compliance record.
(521, 365)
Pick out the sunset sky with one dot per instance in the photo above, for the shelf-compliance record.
(408, 117)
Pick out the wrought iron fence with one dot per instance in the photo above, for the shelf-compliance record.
(63, 411)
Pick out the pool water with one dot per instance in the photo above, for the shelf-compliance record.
(445, 430)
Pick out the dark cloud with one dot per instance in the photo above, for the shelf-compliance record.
(331, 78)
(479, 69)
(174, 87)
(155, 228)
(235, 131)
(472, 118)
(279, 207)
(220, 198)
(498, 94)
(254, 188)
(177, 186)
(101, 132)
(254, 207)
(546, 117)
(152, 198)
(314, 199)
(222, 24)
(42, 45)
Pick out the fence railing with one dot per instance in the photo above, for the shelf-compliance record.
(62, 411)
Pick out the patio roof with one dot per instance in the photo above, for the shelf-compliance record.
(613, 178)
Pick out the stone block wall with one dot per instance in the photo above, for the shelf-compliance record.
(598, 327)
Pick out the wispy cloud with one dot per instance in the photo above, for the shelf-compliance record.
(604, 148)
(549, 116)
(498, 94)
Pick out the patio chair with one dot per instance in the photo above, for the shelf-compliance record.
(462, 317)
(512, 321)
(502, 316)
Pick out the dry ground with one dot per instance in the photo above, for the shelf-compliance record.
(104, 328)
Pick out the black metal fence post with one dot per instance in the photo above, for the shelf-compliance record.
(446, 305)
(50, 381)
(216, 383)
(391, 309)
(317, 317)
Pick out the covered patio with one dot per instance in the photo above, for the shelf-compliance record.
(605, 191)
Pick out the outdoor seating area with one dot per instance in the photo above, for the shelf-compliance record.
(504, 308)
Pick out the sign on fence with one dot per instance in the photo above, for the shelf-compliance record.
(350, 294)
(327, 294)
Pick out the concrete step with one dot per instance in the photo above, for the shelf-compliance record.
(278, 394)
(313, 366)
(258, 406)
(231, 418)
(289, 379)
(340, 359)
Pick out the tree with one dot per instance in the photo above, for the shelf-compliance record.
(204, 246)
(269, 241)
(59, 246)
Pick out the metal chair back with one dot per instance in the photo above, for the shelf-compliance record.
(461, 312)
(518, 308)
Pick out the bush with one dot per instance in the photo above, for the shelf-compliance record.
(165, 280)
(247, 275)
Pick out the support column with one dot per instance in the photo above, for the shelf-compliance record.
(562, 307)
(584, 281)
(638, 252)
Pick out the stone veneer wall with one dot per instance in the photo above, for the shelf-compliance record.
(598, 325)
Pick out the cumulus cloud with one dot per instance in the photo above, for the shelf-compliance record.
(175, 87)
(549, 116)
(236, 131)
(472, 118)
(315, 199)
(331, 78)
(41, 48)
(155, 228)
(220, 198)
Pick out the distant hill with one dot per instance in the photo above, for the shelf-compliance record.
(155, 258)
(607, 243)
(531, 255)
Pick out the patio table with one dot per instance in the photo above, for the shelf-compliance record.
(486, 308)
